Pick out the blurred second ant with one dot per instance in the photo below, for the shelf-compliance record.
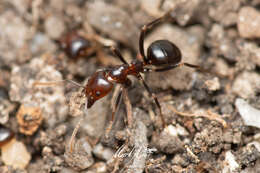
(77, 44)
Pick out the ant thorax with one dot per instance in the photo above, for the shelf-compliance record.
(118, 73)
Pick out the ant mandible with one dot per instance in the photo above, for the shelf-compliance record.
(162, 54)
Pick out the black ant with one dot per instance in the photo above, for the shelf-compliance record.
(162, 54)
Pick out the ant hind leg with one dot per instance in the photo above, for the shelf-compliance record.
(155, 99)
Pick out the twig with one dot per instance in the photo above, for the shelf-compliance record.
(210, 115)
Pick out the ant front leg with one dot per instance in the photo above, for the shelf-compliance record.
(116, 100)
(154, 97)
(128, 108)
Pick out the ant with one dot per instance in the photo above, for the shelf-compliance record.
(77, 45)
(162, 54)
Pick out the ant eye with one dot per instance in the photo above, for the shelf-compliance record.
(98, 93)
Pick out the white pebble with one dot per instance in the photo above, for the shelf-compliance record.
(102, 152)
(256, 144)
(171, 130)
(15, 154)
(232, 165)
(249, 114)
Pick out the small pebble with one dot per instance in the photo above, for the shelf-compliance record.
(168, 141)
(14, 36)
(171, 130)
(152, 7)
(249, 114)
(113, 21)
(98, 167)
(6, 107)
(41, 43)
(54, 26)
(181, 130)
(231, 165)
(246, 84)
(249, 22)
(256, 144)
(102, 152)
(80, 158)
(29, 119)
(213, 84)
(15, 154)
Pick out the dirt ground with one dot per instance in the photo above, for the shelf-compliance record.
(212, 117)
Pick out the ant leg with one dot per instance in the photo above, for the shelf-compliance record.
(143, 32)
(128, 107)
(154, 97)
(177, 65)
(116, 100)
(118, 54)
(161, 69)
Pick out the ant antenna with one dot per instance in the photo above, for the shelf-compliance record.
(58, 82)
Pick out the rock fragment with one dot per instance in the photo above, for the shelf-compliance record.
(15, 154)
(248, 22)
(29, 119)
(113, 21)
(54, 26)
(80, 158)
(168, 141)
(249, 114)
(14, 36)
(231, 163)
(102, 152)
(50, 99)
(246, 84)
(213, 84)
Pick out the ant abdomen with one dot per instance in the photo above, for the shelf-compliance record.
(163, 52)
(75, 45)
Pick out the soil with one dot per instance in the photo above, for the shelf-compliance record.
(205, 130)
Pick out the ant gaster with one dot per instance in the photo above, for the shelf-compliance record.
(75, 45)
(162, 54)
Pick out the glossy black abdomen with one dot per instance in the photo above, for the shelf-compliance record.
(163, 52)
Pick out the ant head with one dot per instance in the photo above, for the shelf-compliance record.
(97, 87)
(163, 52)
